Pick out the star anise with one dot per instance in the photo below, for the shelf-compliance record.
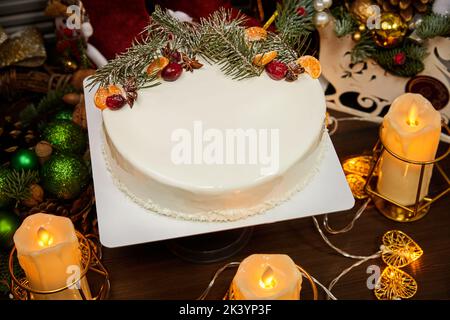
(189, 64)
(294, 70)
(130, 88)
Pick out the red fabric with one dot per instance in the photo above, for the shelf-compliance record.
(117, 22)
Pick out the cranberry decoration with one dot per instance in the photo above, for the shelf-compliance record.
(115, 101)
(172, 71)
(400, 58)
(276, 69)
(301, 11)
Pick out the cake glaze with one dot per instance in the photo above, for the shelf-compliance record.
(138, 143)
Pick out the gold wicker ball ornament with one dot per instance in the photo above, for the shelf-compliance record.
(391, 32)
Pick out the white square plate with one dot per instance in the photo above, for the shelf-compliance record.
(122, 222)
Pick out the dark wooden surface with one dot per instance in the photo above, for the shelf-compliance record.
(151, 271)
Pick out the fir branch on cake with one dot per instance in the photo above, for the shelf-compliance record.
(168, 46)
(131, 64)
(224, 43)
(184, 36)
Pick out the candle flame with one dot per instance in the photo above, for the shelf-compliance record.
(267, 280)
(45, 238)
(412, 117)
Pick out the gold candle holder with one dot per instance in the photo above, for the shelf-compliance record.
(90, 261)
(393, 209)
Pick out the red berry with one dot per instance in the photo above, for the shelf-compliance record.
(115, 101)
(400, 58)
(276, 69)
(301, 11)
(175, 56)
(172, 71)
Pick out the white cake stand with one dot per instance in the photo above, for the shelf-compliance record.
(122, 222)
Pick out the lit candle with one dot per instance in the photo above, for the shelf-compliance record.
(49, 253)
(411, 129)
(267, 277)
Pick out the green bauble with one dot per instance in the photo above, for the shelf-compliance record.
(24, 159)
(9, 222)
(65, 136)
(65, 114)
(64, 175)
(4, 199)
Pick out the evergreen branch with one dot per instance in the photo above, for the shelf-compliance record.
(223, 41)
(291, 26)
(344, 25)
(185, 36)
(364, 49)
(18, 183)
(434, 25)
(132, 63)
(51, 102)
(415, 54)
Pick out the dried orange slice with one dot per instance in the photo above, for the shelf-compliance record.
(311, 66)
(157, 65)
(103, 93)
(261, 59)
(255, 34)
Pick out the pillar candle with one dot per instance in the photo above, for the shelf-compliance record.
(267, 277)
(412, 130)
(48, 251)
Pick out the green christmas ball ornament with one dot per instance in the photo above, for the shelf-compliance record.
(65, 136)
(9, 222)
(24, 159)
(4, 199)
(65, 114)
(64, 175)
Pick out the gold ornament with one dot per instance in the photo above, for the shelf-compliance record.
(356, 170)
(362, 27)
(395, 284)
(356, 36)
(356, 184)
(362, 9)
(391, 32)
(399, 249)
(358, 165)
(25, 48)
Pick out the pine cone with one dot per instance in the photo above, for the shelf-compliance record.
(36, 196)
(406, 8)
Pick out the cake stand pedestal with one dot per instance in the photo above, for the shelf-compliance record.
(211, 247)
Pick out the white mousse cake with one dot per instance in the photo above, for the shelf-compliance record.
(146, 146)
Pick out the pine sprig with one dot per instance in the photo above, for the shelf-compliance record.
(132, 63)
(364, 49)
(48, 104)
(344, 24)
(292, 27)
(434, 25)
(185, 36)
(415, 54)
(18, 183)
(220, 38)
(223, 42)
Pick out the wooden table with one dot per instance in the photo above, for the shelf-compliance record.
(151, 271)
